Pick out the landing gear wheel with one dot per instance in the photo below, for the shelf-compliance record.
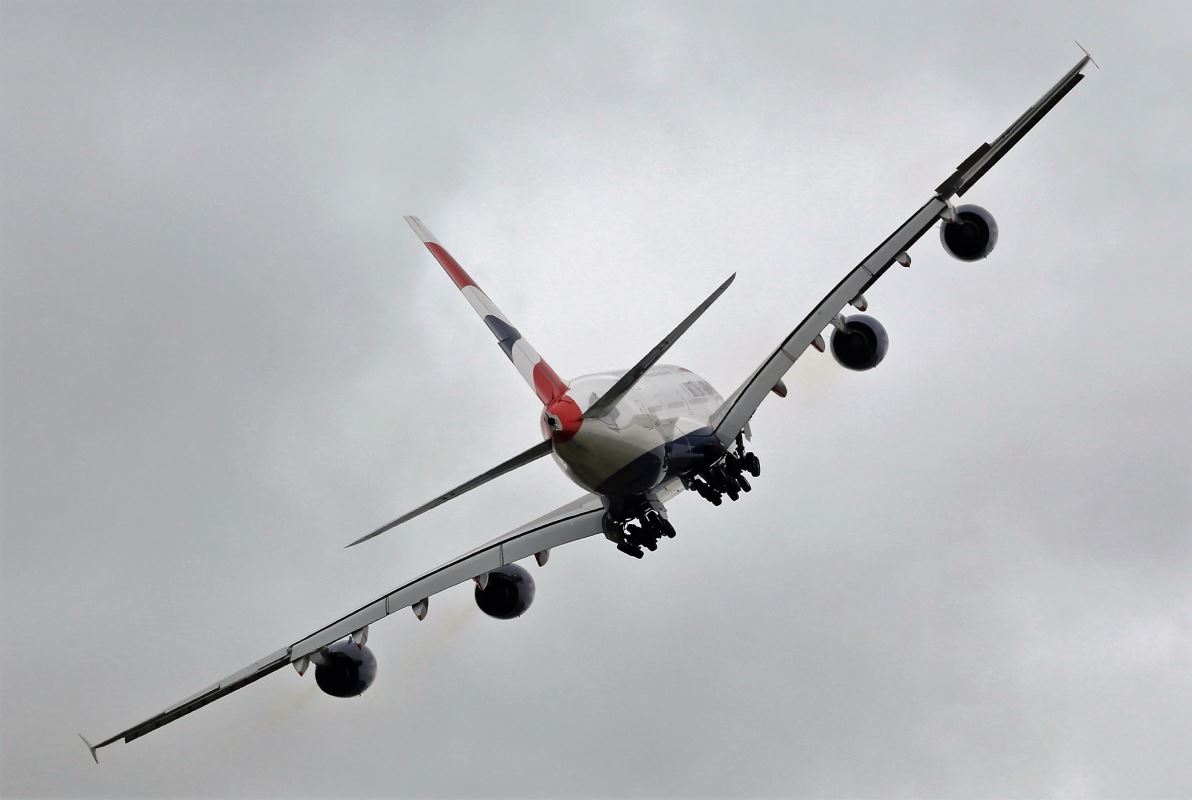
(744, 484)
(666, 529)
(641, 537)
(753, 465)
(723, 481)
(629, 549)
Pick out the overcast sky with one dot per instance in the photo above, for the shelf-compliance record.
(967, 573)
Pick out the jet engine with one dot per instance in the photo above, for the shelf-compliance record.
(345, 670)
(863, 346)
(507, 593)
(972, 236)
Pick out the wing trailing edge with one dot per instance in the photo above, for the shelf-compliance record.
(737, 410)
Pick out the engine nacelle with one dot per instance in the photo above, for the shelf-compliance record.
(865, 344)
(972, 236)
(345, 669)
(507, 593)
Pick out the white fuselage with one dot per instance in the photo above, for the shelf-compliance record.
(659, 429)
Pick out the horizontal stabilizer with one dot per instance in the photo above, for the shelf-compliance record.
(626, 382)
(520, 460)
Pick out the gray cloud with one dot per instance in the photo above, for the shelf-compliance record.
(224, 356)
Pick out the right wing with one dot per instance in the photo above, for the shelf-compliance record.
(735, 413)
(576, 520)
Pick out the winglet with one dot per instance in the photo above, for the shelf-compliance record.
(1087, 54)
(90, 747)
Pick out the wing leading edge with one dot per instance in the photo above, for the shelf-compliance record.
(576, 520)
(737, 410)
(582, 517)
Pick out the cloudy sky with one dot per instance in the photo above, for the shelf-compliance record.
(967, 573)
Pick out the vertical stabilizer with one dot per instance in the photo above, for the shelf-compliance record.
(545, 382)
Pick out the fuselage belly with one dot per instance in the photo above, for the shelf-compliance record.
(660, 429)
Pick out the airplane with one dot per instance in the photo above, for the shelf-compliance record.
(631, 439)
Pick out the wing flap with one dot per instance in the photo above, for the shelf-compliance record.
(736, 412)
(576, 520)
(210, 694)
(582, 519)
(343, 627)
(985, 156)
(739, 407)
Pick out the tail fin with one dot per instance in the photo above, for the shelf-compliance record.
(545, 382)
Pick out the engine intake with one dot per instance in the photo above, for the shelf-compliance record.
(508, 592)
(346, 670)
(863, 346)
(972, 236)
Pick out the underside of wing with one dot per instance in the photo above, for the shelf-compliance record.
(344, 665)
(859, 342)
(338, 648)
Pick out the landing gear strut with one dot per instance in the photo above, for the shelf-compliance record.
(638, 528)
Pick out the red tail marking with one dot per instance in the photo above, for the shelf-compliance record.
(547, 383)
(568, 413)
(450, 265)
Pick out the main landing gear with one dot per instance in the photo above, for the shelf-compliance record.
(726, 476)
(642, 526)
(642, 531)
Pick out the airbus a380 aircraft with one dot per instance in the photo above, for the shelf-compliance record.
(631, 439)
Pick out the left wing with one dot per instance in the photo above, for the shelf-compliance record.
(735, 413)
(576, 520)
